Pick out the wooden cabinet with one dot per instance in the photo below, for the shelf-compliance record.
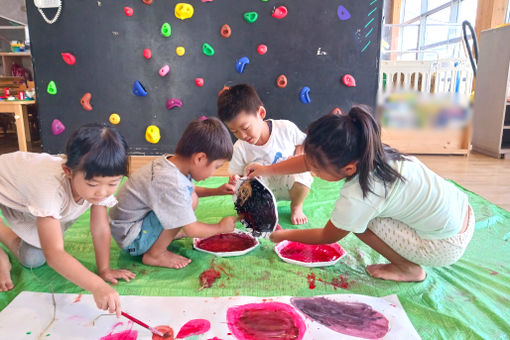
(21, 58)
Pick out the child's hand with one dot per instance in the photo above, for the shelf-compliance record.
(227, 224)
(277, 236)
(107, 298)
(232, 179)
(112, 275)
(226, 189)
(255, 169)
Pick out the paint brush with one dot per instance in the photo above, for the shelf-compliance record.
(143, 324)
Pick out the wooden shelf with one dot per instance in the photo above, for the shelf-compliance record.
(15, 54)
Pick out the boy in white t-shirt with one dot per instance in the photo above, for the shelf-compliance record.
(265, 142)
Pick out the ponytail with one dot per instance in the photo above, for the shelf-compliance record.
(338, 140)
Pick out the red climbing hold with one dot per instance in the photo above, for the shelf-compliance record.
(85, 101)
(280, 12)
(225, 31)
(199, 82)
(262, 49)
(349, 80)
(68, 58)
(147, 53)
(128, 11)
(281, 81)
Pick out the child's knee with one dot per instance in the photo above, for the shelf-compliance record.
(30, 256)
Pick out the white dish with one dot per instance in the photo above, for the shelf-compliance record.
(229, 253)
(280, 246)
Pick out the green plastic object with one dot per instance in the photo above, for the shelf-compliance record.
(52, 87)
(251, 17)
(207, 49)
(166, 30)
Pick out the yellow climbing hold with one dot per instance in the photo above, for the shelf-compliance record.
(152, 134)
(114, 118)
(180, 51)
(183, 11)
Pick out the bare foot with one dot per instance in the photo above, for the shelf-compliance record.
(297, 216)
(166, 259)
(5, 272)
(390, 271)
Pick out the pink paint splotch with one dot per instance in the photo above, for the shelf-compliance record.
(269, 320)
(128, 334)
(194, 327)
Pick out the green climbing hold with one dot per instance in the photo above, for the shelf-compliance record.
(251, 17)
(52, 87)
(166, 30)
(207, 49)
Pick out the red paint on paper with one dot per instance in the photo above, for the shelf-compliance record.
(194, 327)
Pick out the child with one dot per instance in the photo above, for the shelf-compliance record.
(42, 195)
(393, 203)
(265, 142)
(158, 200)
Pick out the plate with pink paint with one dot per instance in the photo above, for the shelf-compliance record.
(309, 255)
(224, 245)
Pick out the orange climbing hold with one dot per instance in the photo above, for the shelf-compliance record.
(225, 31)
(85, 101)
(281, 81)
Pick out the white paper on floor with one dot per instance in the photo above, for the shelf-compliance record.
(28, 315)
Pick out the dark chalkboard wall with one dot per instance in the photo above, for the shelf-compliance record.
(311, 46)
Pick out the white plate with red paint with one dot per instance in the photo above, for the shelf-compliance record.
(224, 245)
(309, 255)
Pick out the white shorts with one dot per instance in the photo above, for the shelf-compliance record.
(433, 253)
(280, 185)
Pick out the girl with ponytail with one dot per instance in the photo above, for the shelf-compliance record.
(391, 202)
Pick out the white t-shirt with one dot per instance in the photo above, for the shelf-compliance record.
(282, 142)
(426, 202)
(34, 185)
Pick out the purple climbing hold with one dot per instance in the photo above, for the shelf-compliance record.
(173, 102)
(57, 127)
(343, 13)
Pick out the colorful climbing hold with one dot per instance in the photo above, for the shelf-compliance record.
(262, 49)
(199, 82)
(349, 80)
(152, 134)
(57, 127)
(241, 63)
(336, 111)
(138, 89)
(114, 118)
(173, 102)
(68, 58)
(147, 2)
(85, 101)
(251, 17)
(166, 30)
(280, 12)
(281, 81)
(225, 31)
(304, 95)
(343, 13)
(225, 88)
(128, 11)
(180, 51)
(164, 70)
(147, 53)
(183, 11)
(207, 49)
(52, 88)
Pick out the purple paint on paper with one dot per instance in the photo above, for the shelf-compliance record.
(194, 327)
(350, 318)
(343, 13)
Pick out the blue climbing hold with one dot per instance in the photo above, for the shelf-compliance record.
(241, 63)
(138, 89)
(304, 95)
(343, 13)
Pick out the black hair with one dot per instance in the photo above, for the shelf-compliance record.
(337, 140)
(98, 150)
(232, 101)
(207, 135)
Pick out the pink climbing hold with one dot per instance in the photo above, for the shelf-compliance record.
(173, 102)
(199, 82)
(280, 12)
(128, 11)
(68, 58)
(349, 80)
(164, 70)
(57, 127)
(262, 49)
(147, 53)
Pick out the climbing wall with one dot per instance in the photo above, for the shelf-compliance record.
(150, 67)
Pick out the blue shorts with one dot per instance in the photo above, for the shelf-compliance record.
(151, 228)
